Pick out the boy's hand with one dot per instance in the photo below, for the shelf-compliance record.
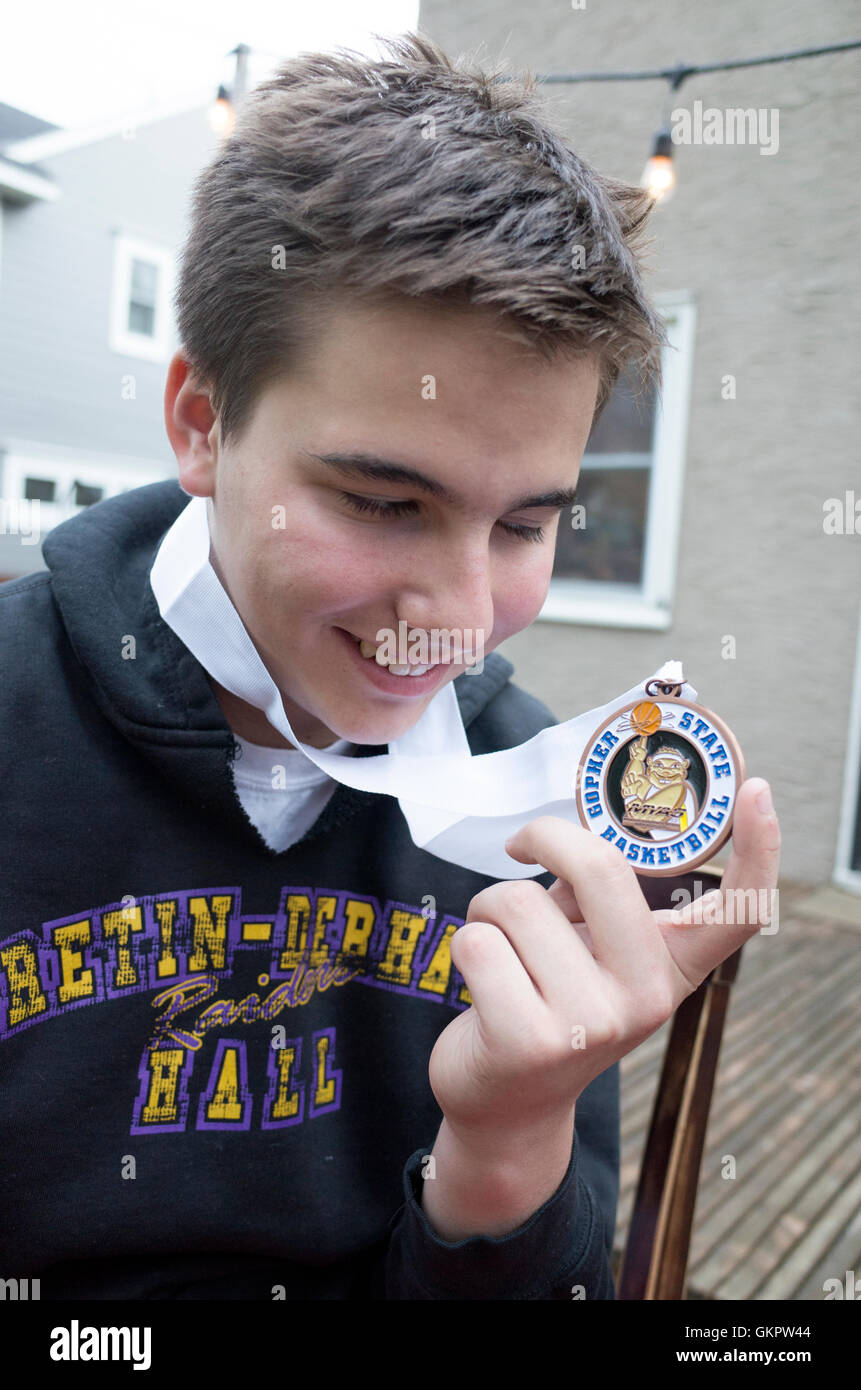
(566, 981)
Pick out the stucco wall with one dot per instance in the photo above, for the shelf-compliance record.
(768, 246)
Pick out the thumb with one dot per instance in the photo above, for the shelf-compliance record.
(755, 858)
(513, 850)
(709, 929)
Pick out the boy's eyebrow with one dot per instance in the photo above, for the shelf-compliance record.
(377, 469)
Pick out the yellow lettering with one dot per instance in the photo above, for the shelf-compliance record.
(121, 924)
(164, 1069)
(438, 973)
(226, 1103)
(257, 931)
(166, 913)
(324, 914)
(298, 916)
(359, 919)
(405, 930)
(19, 962)
(286, 1101)
(74, 933)
(325, 1090)
(209, 938)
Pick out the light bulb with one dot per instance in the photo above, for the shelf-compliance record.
(222, 116)
(659, 175)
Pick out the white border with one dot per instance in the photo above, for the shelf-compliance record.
(155, 348)
(850, 809)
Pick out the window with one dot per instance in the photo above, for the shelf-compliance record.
(143, 297)
(613, 491)
(141, 316)
(615, 561)
(84, 495)
(39, 489)
(64, 485)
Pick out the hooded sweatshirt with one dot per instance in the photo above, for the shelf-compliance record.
(214, 1050)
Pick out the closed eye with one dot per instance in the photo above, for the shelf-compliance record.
(409, 508)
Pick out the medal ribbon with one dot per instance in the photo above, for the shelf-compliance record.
(458, 806)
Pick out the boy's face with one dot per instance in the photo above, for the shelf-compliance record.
(431, 388)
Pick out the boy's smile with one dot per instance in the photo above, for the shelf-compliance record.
(320, 538)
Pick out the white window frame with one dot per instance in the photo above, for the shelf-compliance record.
(159, 346)
(112, 478)
(649, 605)
(844, 875)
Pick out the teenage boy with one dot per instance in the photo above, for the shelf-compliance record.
(257, 1043)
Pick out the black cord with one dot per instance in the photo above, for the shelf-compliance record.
(679, 74)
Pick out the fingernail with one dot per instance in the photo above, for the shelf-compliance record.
(764, 802)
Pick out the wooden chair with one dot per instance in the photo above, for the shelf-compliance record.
(654, 1263)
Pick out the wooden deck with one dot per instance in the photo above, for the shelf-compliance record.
(786, 1107)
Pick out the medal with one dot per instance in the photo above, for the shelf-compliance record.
(658, 779)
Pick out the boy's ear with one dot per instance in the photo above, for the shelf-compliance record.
(192, 428)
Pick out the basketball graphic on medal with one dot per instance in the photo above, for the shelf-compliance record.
(659, 779)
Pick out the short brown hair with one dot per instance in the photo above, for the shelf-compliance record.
(409, 174)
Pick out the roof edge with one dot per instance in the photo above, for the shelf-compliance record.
(57, 142)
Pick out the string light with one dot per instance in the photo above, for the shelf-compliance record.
(222, 113)
(659, 175)
(222, 116)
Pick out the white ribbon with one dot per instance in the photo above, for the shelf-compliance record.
(458, 806)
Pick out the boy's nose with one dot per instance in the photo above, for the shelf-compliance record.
(468, 610)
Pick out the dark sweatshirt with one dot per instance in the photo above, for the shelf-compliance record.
(213, 1056)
